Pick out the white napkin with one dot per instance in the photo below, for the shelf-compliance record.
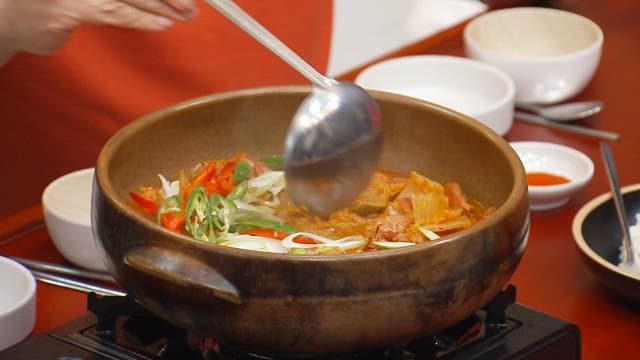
(364, 30)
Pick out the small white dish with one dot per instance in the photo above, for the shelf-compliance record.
(17, 302)
(556, 160)
(551, 54)
(471, 87)
(66, 204)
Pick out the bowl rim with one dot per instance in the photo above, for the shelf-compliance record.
(469, 40)
(505, 100)
(573, 184)
(30, 292)
(46, 204)
(576, 229)
(512, 201)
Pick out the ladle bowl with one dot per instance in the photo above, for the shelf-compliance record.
(332, 147)
(335, 138)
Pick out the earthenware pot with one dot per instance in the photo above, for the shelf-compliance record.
(307, 306)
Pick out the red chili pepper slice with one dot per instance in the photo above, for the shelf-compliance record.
(172, 221)
(304, 240)
(148, 205)
(268, 233)
(225, 179)
(207, 172)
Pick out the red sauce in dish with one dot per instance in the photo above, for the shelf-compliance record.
(542, 179)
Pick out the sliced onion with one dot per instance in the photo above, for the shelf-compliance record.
(428, 233)
(251, 242)
(256, 210)
(169, 189)
(289, 242)
(345, 243)
(271, 181)
(392, 244)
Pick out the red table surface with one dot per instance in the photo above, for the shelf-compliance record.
(551, 277)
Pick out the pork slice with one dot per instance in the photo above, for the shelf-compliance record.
(457, 199)
(392, 228)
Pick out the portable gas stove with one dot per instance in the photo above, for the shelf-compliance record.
(118, 328)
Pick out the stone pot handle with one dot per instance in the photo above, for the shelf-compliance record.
(175, 267)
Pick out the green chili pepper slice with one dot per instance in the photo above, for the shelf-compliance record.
(265, 223)
(241, 171)
(170, 204)
(238, 191)
(198, 214)
(214, 201)
(220, 209)
(274, 162)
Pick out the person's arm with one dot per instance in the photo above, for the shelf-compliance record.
(43, 26)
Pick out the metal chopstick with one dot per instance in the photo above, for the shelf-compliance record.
(539, 120)
(74, 284)
(63, 270)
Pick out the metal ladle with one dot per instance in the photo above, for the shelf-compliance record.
(629, 258)
(335, 138)
(564, 112)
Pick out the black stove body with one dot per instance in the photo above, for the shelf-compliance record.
(118, 328)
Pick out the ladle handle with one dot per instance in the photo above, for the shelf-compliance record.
(618, 201)
(243, 20)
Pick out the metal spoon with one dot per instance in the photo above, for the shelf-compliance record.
(335, 138)
(564, 112)
(629, 258)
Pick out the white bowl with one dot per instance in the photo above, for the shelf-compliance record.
(555, 159)
(468, 86)
(17, 302)
(66, 204)
(550, 54)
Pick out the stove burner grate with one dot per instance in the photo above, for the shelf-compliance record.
(120, 329)
(127, 327)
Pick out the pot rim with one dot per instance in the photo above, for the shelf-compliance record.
(511, 203)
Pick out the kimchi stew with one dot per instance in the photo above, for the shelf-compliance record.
(242, 202)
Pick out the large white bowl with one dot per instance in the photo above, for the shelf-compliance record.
(66, 204)
(468, 86)
(555, 159)
(17, 302)
(550, 54)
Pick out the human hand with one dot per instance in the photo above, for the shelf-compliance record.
(43, 26)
